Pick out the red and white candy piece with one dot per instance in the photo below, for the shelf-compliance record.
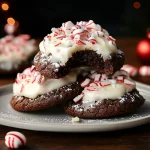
(97, 77)
(86, 82)
(144, 71)
(120, 78)
(128, 82)
(78, 98)
(15, 139)
(130, 69)
(120, 73)
(105, 83)
(91, 88)
(104, 77)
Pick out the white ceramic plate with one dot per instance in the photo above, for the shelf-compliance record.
(57, 121)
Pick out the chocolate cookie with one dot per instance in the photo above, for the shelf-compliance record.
(79, 59)
(55, 97)
(105, 96)
(107, 107)
(32, 91)
(84, 44)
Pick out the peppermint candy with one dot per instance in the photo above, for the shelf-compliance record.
(130, 69)
(86, 82)
(15, 139)
(144, 71)
(20, 45)
(128, 82)
(120, 73)
(78, 98)
(97, 81)
(81, 32)
(29, 75)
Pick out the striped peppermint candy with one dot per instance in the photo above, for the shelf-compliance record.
(15, 139)
(86, 82)
(78, 98)
(144, 71)
(130, 69)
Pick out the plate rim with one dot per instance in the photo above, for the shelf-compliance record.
(145, 119)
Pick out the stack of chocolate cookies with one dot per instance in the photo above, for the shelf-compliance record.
(78, 66)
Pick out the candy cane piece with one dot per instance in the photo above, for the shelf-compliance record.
(128, 82)
(78, 98)
(104, 83)
(130, 69)
(97, 77)
(86, 82)
(144, 71)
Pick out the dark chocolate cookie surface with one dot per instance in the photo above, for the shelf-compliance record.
(45, 101)
(83, 58)
(107, 107)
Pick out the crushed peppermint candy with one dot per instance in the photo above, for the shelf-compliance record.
(29, 75)
(96, 82)
(63, 41)
(20, 45)
(86, 31)
(132, 70)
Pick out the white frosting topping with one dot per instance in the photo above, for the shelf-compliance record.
(98, 87)
(70, 38)
(31, 83)
(15, 49)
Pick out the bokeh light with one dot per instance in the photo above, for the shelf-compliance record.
(148, 35)
(143, 47)
(136, 5)
(5, 6)
(17, 24)
(10, 21)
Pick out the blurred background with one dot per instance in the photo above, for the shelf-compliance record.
(120, 18)
(128, 21)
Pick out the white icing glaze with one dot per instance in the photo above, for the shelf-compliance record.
(106, 92)
(31, 83)
(70, 38)
(13, 50)
(106, 88)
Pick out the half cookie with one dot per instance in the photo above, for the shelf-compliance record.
(84, 44)
(105, 96)
(32, 91)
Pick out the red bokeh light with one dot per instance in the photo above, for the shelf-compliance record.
(143, 50)
(136, 5)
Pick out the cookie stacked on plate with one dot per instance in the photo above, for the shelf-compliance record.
(78, 65)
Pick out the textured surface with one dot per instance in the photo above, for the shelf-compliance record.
(107, 107)
(55, 97)
(79, 59)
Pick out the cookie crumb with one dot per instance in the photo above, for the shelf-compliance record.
(76, 119)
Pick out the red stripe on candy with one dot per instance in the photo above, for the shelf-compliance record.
(18, 137)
